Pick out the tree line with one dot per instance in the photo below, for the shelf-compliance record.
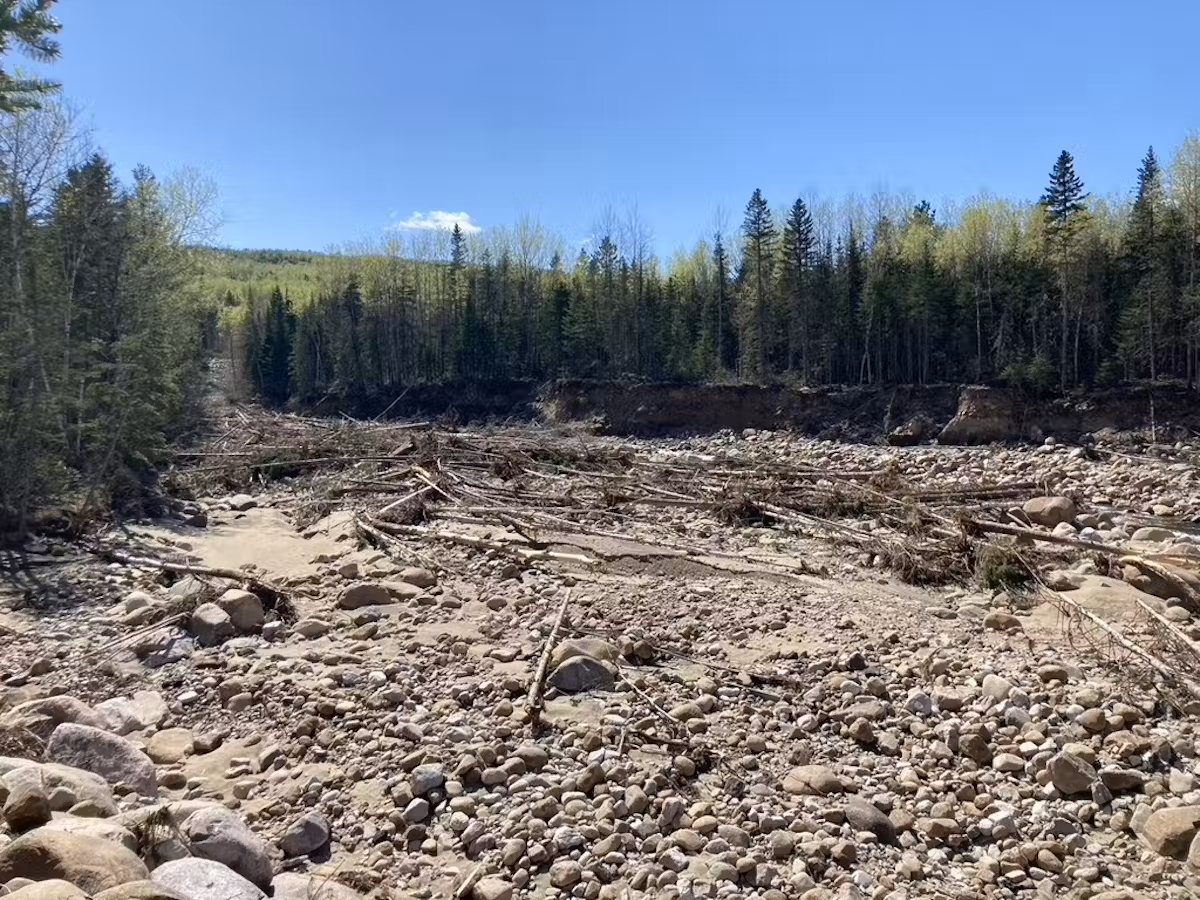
(1067, 291)
(102, 328)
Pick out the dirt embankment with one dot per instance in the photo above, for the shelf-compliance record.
(904, 415)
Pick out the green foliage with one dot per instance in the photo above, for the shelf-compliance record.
(102, 343)
(999, 568)
(29, 25)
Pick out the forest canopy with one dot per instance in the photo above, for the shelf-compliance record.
(1068, 290)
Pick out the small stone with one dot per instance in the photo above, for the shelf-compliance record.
(311, 628)
(864, 816)
(305, 835)
(364, 593)
(1001, 621)
(417, 810)
(812, 780)
(426, 778)
(844, 853)
(492, 889)
(1070, 774)
(244, 608)
(582, 673)
(1008, 762)
(861, 731)
(996, 688)
(1053, 672)
(565, 873)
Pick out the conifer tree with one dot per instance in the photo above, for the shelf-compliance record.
(796, 261)
(1064, 204)
(29, 25)
(755, 281)
(1147, 271)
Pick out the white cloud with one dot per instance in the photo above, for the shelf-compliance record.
(437, 220)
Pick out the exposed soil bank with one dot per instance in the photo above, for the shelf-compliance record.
(952, 413)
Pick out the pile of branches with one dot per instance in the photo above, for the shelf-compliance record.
(537, 485)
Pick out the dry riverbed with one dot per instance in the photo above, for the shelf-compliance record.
(747, 695)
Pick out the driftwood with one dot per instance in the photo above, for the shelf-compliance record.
(976, 526)
(523, 553)
(467, 888)
(1174, 630)
(271, 594)
(1167, 673)
(538, 687)
(1185, 585)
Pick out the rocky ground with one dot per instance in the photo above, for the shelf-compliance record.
(748, 708)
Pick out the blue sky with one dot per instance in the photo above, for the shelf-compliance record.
(324, 122)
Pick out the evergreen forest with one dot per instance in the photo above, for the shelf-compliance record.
(1061, 292)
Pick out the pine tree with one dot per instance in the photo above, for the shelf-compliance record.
(1064, 204)
(755, 280)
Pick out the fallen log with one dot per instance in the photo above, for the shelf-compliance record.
(270, 594)
(978, 526)
(523, 553)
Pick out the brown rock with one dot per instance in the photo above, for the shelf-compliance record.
(815, 781)
(91, 864)
(1050, 511)
(51, 889)
(1170, 832)
(27, 806)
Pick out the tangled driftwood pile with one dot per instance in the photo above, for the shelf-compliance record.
(539, 494)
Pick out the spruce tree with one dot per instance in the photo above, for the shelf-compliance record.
(1145, 261)
(799, 243)
(275, 352)
(758, 237)
(29, 25)
(722, 318)
(1064, 204)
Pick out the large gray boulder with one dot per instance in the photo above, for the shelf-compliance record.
(985, 415)
(244, 608)
(65, 786)
(111, 757)
(216, 833)
(305, 835)
(1050, 511)
(211, 625)
(125, 715)
(50, 889)
(91, 826)
(27, 806)
(42, 716)
(140, 890)
(204, 879)
(1170, 831)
